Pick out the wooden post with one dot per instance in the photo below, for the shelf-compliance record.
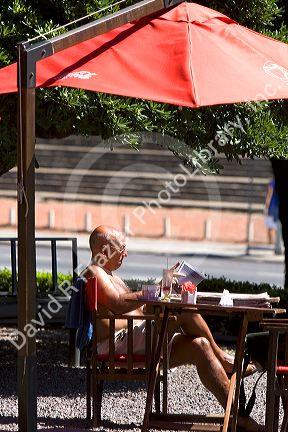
(26, 364)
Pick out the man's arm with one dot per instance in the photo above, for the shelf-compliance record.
(109, 296)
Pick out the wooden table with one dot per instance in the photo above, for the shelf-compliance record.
(189, 421)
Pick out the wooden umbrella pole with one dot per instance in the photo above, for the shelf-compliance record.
(26, 370)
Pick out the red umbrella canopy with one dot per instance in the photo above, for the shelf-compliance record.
(189, 55)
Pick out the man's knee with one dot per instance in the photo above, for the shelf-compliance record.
(202, 344)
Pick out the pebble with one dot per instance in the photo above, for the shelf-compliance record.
(61, 391)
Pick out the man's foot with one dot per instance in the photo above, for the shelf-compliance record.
(247, 424)
(250, 370)
(228, 364)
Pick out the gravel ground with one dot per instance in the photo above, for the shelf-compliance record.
(61, 391)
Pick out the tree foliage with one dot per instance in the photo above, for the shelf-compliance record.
(63, 111)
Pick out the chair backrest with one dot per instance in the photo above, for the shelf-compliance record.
(91, 294)
(277, 375)
(279, 327)
(126, 363)
(127, 359)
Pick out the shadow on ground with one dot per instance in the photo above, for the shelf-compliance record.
(55, 377)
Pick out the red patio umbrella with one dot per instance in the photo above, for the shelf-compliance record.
(189, 55)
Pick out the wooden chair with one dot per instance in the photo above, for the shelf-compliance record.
(277, 375)
(121, 367)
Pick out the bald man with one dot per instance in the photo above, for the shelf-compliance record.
(191, 341)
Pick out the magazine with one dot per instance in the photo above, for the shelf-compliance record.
(188, 273)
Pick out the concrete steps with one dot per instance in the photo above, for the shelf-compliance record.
(68, 168)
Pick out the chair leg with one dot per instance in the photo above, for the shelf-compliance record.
(284, 427)
(100, 397)
(71, 344)
(271, 399)
(276, 414)
(157, 395)
(97, 402)
(165, 391)
(88, 389)
(281, 387)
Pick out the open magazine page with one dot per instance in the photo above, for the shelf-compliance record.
(188, 274)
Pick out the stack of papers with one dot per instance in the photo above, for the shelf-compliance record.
(252, 300)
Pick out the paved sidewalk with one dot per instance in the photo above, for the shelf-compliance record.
(174, 247)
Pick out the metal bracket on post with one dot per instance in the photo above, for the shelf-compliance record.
(33, 54)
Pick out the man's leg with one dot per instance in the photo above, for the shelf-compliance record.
(198, 351)
(194, 325)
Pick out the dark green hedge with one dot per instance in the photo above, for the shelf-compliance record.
(43, 281)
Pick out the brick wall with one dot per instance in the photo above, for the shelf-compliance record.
(180, 223)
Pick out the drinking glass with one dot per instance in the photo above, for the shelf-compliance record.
(166, 287)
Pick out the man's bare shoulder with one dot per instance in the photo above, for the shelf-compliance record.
(96, 270)
(104, 278)
(99, 273)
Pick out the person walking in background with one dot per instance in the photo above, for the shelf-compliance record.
(271, 211)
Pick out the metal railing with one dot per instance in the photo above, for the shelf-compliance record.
(54, 261)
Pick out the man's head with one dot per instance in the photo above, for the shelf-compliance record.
(108, 247)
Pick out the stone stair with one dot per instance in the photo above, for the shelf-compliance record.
(82, 166)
